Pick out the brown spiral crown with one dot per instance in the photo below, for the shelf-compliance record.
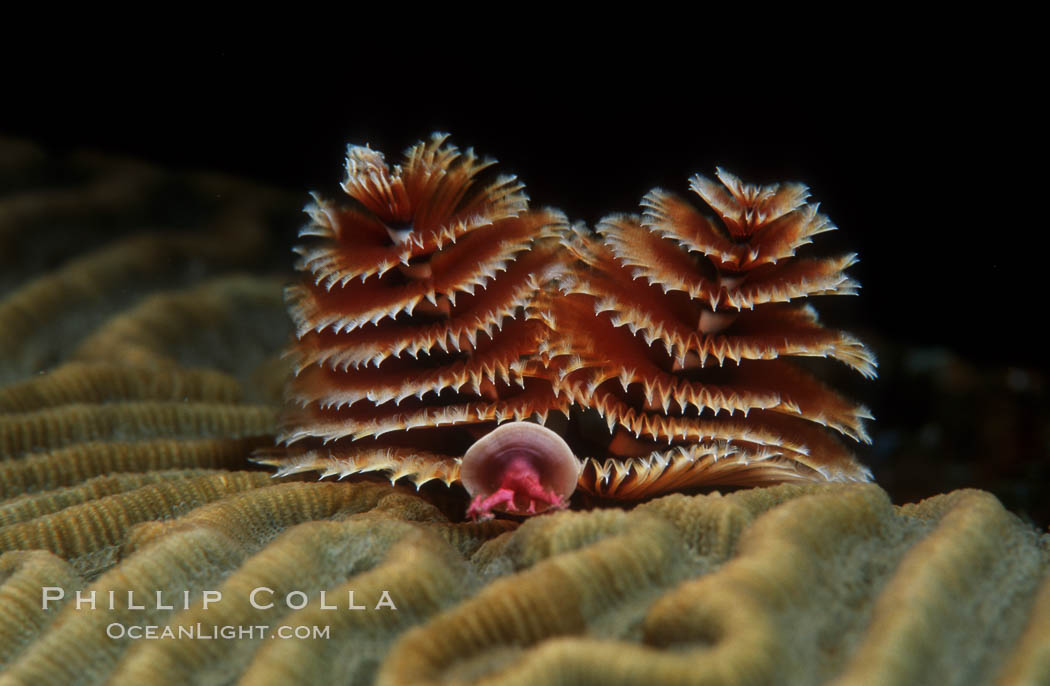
(674, 327)
(411, 337)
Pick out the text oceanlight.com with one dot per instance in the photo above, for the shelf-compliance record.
(204, 632)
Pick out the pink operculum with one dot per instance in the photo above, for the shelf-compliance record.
(520, 492)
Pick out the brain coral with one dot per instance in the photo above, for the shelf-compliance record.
(129, 471)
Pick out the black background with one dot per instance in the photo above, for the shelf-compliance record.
(924, 168)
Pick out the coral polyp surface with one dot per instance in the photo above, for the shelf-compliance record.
(130, 473)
